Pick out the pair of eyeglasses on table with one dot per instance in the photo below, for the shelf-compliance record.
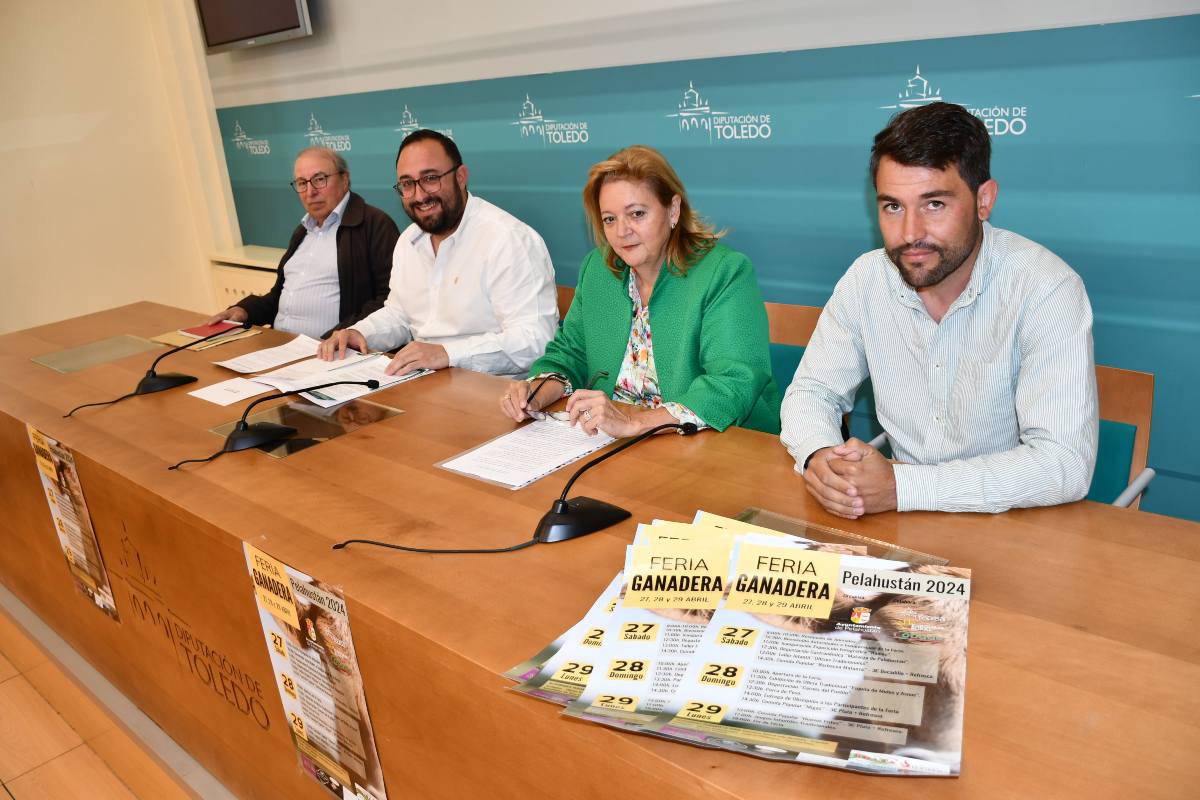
(561, 416)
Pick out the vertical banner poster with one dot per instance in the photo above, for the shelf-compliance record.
(68, 510)
(316, 670)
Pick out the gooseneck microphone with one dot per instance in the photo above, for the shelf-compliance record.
(152, 382)
(570, 519)
(246, 435)
(566, 519)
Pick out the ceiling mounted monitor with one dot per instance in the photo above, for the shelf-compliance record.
(234, 24)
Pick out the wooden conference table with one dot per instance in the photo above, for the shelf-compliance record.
(1083, 661)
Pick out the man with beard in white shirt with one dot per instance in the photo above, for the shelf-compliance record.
(472, 286)
(978, 343)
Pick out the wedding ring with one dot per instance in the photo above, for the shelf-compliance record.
(587, 414)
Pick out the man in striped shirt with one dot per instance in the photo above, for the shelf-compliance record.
(977, 341)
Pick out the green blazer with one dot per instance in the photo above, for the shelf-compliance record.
(710, 338)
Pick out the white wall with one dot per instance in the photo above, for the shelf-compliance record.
(113, 184)
(367, 45)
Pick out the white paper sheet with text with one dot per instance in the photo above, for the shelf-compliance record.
(300, 347)
(306, 373)
(533, 451)
(229, 392)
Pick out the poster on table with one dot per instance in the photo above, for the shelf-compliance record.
(773, 646)
(307, 633)
(675, 576)
(668, 593)
(73, 523)
(840, 660)
(576, 659)
(561, 671)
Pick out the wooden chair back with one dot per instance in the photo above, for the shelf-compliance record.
(792, 325)
(1128, 396)
(565, 295)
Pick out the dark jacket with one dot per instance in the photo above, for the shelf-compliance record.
(365, 241)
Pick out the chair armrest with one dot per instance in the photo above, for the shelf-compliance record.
(1135, 488)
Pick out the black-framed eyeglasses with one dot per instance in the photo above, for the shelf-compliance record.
(406, 187)
(318, 181)
(561, 416)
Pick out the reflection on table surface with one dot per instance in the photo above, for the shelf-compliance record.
(104, 351)
(314, 424)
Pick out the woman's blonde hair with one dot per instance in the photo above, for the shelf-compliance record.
(690, 239)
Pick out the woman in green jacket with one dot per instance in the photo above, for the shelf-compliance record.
(707, 361)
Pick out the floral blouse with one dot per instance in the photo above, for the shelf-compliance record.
(637, 383)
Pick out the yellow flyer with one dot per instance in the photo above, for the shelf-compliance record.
(72, 522)
(673, 585)
(840, 660)
(564, 672)
(307, 631)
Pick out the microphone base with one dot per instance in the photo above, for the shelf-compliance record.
(257, 435)
(160, 383)
(583, 515)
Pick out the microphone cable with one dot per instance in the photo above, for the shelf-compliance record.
(179, 464)
(685, 428)
(390, 546)
(105, 403)
(143, 388)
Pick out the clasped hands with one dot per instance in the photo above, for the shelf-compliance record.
(589, 408)
(851, 479)
(413, 356)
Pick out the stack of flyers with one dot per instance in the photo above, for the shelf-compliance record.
(771, 645)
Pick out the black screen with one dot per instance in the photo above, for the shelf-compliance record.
(226, 21)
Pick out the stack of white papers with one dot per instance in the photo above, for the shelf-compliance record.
(770, 645)
(360, 369)
(309, 372)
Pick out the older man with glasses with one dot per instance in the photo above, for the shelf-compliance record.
(339, 259)
(472, 285)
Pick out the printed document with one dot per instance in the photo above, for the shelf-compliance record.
(307, 632)
(307, 373)
(780, 648)
(530, 452)
(300, 347)
(369, 368)
(561, 671)
(231, 391)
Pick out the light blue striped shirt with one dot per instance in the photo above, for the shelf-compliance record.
(993, 408)
(310, 302)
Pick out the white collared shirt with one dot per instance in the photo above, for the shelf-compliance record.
(310, 301)
(990, 409)
(487, 296)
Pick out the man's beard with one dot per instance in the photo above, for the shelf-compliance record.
(949, 260)
(449, 213)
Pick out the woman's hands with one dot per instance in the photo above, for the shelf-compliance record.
(516, 402)
(591, 409)
(596, 412)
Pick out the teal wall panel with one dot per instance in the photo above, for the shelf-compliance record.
(1096, 150)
